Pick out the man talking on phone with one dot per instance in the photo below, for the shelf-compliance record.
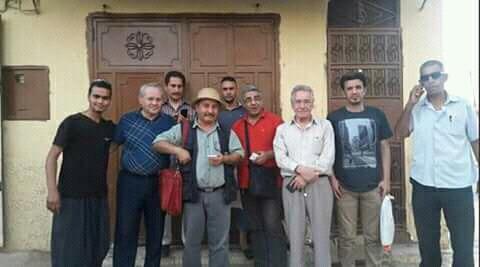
(445, 130)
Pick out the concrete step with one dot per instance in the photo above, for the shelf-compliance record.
(237, 259)
(403, 255)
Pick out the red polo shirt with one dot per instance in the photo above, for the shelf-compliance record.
(261, 136)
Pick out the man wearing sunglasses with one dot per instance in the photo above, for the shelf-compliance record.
(443, 169)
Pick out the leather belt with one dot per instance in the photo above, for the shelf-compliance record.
(210, 189)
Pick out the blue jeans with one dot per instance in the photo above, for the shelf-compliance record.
(241, 220)
(269, 242)
(457, 206)
(136, 195)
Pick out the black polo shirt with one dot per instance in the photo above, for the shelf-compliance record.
(85, 144)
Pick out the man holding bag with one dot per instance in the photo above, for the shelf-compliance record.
(256, 131)
(361, 171)
(207, 160)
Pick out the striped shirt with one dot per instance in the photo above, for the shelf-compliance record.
(168, 109)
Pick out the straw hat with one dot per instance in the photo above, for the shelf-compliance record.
(207, 93)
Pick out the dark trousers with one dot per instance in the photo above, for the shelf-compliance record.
(269, 243)
(136, 195)
(457, 206)
(80, 232)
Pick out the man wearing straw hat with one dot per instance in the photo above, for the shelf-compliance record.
(207, 161)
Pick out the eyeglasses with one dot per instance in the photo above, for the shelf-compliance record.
(434, 75)
(250, 100)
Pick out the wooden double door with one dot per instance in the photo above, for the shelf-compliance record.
(131, 50)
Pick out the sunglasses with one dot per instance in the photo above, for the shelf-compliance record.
(434, 75)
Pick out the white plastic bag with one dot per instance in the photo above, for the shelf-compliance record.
(387, 223)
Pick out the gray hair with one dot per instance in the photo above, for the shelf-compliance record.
(298, 88)
(248, 88)
(143, 88)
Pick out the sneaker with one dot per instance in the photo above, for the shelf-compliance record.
(165, 251)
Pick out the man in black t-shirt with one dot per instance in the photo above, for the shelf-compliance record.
(361, 171)
(80, 230)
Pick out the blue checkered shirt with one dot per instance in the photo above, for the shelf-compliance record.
(136, 134)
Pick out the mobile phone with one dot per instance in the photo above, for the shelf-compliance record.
(212, 156)
(290, 186)
(184, 112)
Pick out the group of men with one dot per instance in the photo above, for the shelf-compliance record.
(345, 157)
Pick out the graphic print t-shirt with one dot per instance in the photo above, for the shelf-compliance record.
(358, 163)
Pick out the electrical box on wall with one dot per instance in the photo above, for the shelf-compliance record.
(26, 93)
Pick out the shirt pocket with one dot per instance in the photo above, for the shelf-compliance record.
(216, 147)
(317, 144)
(456, 124)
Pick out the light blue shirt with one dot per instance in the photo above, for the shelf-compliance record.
(208, 144)
(442, 153)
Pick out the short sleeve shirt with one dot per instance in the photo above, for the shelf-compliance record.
(358, 162)
(208, 144)
(261, 136)
(442, 154)
(228, 117)
(136, 133)
(85, 145)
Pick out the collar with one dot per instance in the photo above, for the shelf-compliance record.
(196, 125)
(450, 99)
(182, 103)
(314, 121)
(261, 116)
(239, 106)
(139, 113)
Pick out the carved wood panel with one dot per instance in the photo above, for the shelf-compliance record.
(210, 45)
(146, 45)
(244, 50)
(364, 13)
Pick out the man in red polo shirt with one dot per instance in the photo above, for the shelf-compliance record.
(269, 242)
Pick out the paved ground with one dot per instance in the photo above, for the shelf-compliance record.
(403, 255)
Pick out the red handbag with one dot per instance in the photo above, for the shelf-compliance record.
(170, 184)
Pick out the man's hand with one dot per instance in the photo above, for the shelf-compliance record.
(216, 161)
(53, 201)
(384, 188)
(299, 182)
(183, 156)
(181, 118)
(415, 94)
(261, 158)
(307, 173)
(336, 187)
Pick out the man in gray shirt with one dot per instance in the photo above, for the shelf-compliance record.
(207, 161)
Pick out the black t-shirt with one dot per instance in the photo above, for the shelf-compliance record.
(85, 146)
(358, 163)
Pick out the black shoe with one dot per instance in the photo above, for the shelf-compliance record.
(165, 251)
(248, 253)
